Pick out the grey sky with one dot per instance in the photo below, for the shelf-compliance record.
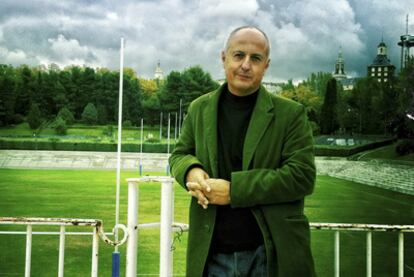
(305, 34)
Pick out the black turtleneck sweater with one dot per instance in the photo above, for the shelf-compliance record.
(236, 229)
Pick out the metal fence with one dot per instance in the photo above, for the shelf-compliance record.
(167, 227)
(369, 229)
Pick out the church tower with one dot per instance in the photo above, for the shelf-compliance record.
(159, 75)
(339, 72)
(381, 68)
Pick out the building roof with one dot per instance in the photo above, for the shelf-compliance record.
(381, 60)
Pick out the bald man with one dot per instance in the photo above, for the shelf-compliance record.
(246, 158)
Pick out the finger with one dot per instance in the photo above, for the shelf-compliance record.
(193, 186)
(202, 199)
(204, 185)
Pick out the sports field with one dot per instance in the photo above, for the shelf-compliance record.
(91, 194)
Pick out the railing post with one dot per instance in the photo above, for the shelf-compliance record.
(61, 266)
(401, 254)
(95, 252)
(337, 255)
(131, 258)
(28, 250)
(369, 254)
(166, 227)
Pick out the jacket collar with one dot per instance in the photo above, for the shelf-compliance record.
(260, 119)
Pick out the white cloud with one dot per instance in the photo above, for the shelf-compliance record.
(16, 57)
(305, 34)
(69, 51)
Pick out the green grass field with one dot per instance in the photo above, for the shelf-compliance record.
(81, 132)
(387, 152)
(91, 194)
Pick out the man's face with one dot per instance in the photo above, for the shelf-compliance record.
(245, 61)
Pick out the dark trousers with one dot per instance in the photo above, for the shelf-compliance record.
(238, 264)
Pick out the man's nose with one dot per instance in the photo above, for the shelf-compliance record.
(246, 65)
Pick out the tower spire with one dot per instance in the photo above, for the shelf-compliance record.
(406, 25)
(339, 72)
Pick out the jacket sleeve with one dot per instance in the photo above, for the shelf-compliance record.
(183, 158)
(291, 181)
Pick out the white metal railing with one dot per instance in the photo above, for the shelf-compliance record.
(167, 226)
(62, 222)
(368, 228)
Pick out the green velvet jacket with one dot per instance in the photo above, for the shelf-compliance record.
(278, 172)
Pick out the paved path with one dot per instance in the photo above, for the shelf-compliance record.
(78, 160)
(376, 173)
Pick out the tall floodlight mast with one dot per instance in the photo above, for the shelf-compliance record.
(115, 254)
(406, 42)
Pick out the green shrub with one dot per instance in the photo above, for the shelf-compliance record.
(66, 115)
(127, 123)
(405, 147)
(33, 117)
(90, 114)
(59, 125)
(152, 140)
(108, 131)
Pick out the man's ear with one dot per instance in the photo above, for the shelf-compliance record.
(223, 56)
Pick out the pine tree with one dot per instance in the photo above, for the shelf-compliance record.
(34, 117)
(90, 114)
(329, 113)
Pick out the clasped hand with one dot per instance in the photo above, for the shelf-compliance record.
(207, 190)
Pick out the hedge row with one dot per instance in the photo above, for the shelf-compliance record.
(345, 151)
(82, 146)
(320, 150)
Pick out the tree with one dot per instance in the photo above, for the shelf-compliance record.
(329, 113)
(363, 97)
(7, 94)
(169, 95)
(90, 114)
(132, 100)
(307, 97)
(60, 126)
(24, 90)
(318, 82)
(66, 115)
(151, 107)
(34, 117)
(185, 86)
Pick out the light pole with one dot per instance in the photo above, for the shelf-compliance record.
(160, 126)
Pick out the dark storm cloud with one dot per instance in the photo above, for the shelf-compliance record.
(305, 34)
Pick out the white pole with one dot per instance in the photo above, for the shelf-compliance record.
(401, 254)
(142, 139)
(160, 126)
(337, 254)
(168, 141)
(118, 161)
(131, 258)
(166, 228)
(179, 119)
(175, 129)
(95, 253)
(369, 254)
(28, 250)
(168, 135)
(61, 251)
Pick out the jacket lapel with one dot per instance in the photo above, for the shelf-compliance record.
(260, 119)
(210, 123)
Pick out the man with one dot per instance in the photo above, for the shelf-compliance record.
(246, 158)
